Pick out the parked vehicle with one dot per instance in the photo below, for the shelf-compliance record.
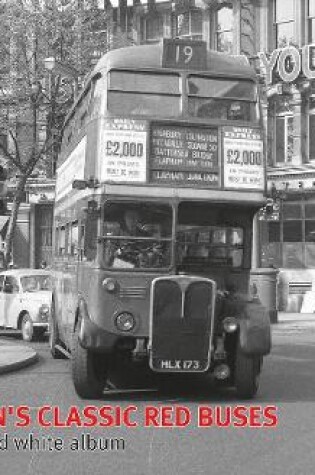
(25, 301)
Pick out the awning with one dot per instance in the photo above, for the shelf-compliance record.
(4, 223)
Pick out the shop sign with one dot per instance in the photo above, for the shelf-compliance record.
(289, 63)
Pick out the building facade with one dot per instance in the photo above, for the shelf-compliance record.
(287, 67)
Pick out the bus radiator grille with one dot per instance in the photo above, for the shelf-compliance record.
(133, 292)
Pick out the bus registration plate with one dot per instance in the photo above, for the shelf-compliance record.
(179, 365)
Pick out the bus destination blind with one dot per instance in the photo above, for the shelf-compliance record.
(184, 54)
(184, 156)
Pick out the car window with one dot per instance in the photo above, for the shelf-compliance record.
(10, 285)
(1, 282)
(34, 283)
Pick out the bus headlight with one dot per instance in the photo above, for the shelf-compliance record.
(125, 322)
(110, 284)
(230, 324)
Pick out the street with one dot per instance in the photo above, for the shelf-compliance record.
(287, 382)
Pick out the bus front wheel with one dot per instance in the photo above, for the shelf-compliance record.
(54, 340)
(247, 372)
(89, 370)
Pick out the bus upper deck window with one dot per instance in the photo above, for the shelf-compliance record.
(143, 93)
(222, 99)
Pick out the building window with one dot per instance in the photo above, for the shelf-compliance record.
(311, 135)
(284, 22)
(283, 138)
(290, 242)
(224, 29)
(152, 27)
(188, 24)
(311, 20)
(62, 241)
(292, 231)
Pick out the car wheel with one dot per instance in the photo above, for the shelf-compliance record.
(246, 376)
(54, 340)
(27, 328)
(89, 369)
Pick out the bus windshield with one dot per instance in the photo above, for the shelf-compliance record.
(136, 235)
(205, 239)
(141, 93)
(224, 99)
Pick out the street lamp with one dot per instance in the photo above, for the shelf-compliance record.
(52, 65)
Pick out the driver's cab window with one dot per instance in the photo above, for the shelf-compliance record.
(210, 245)
(1, 282)
(136, 235)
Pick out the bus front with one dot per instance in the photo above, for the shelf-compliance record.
(180, 175)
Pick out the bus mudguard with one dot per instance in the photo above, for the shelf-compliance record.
(91, 335)
(255, 331)
(254, 323)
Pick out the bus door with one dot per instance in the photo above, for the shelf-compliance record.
(181, 323)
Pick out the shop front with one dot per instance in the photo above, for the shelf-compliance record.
(289, 244)
(32, 243)
(288, 241)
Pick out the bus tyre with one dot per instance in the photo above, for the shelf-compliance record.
(89, 370)
(246, 376)
(54, 340)
(27, 328)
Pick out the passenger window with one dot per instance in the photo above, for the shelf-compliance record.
(10, 285)
(68, 239)
(81, 241)
(74, 239)
(1, 283)
(62, 241)
(90, 236)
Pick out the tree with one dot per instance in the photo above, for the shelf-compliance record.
(32, 106)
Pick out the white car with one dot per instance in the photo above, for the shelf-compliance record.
(25, 301)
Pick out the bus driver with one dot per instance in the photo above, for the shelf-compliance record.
(131, 224)
(142, 252)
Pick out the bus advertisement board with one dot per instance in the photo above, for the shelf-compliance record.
(124, 144)
(184, 155)
(72, 169)
(181, 155)
(243, 158)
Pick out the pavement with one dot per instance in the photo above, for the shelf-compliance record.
(294, 321)
(14, 356)
(284, 317)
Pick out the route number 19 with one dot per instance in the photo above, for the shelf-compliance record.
(184, 53)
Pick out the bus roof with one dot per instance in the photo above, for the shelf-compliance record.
(150, 57)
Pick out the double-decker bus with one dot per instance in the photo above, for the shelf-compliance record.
(160, 175)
